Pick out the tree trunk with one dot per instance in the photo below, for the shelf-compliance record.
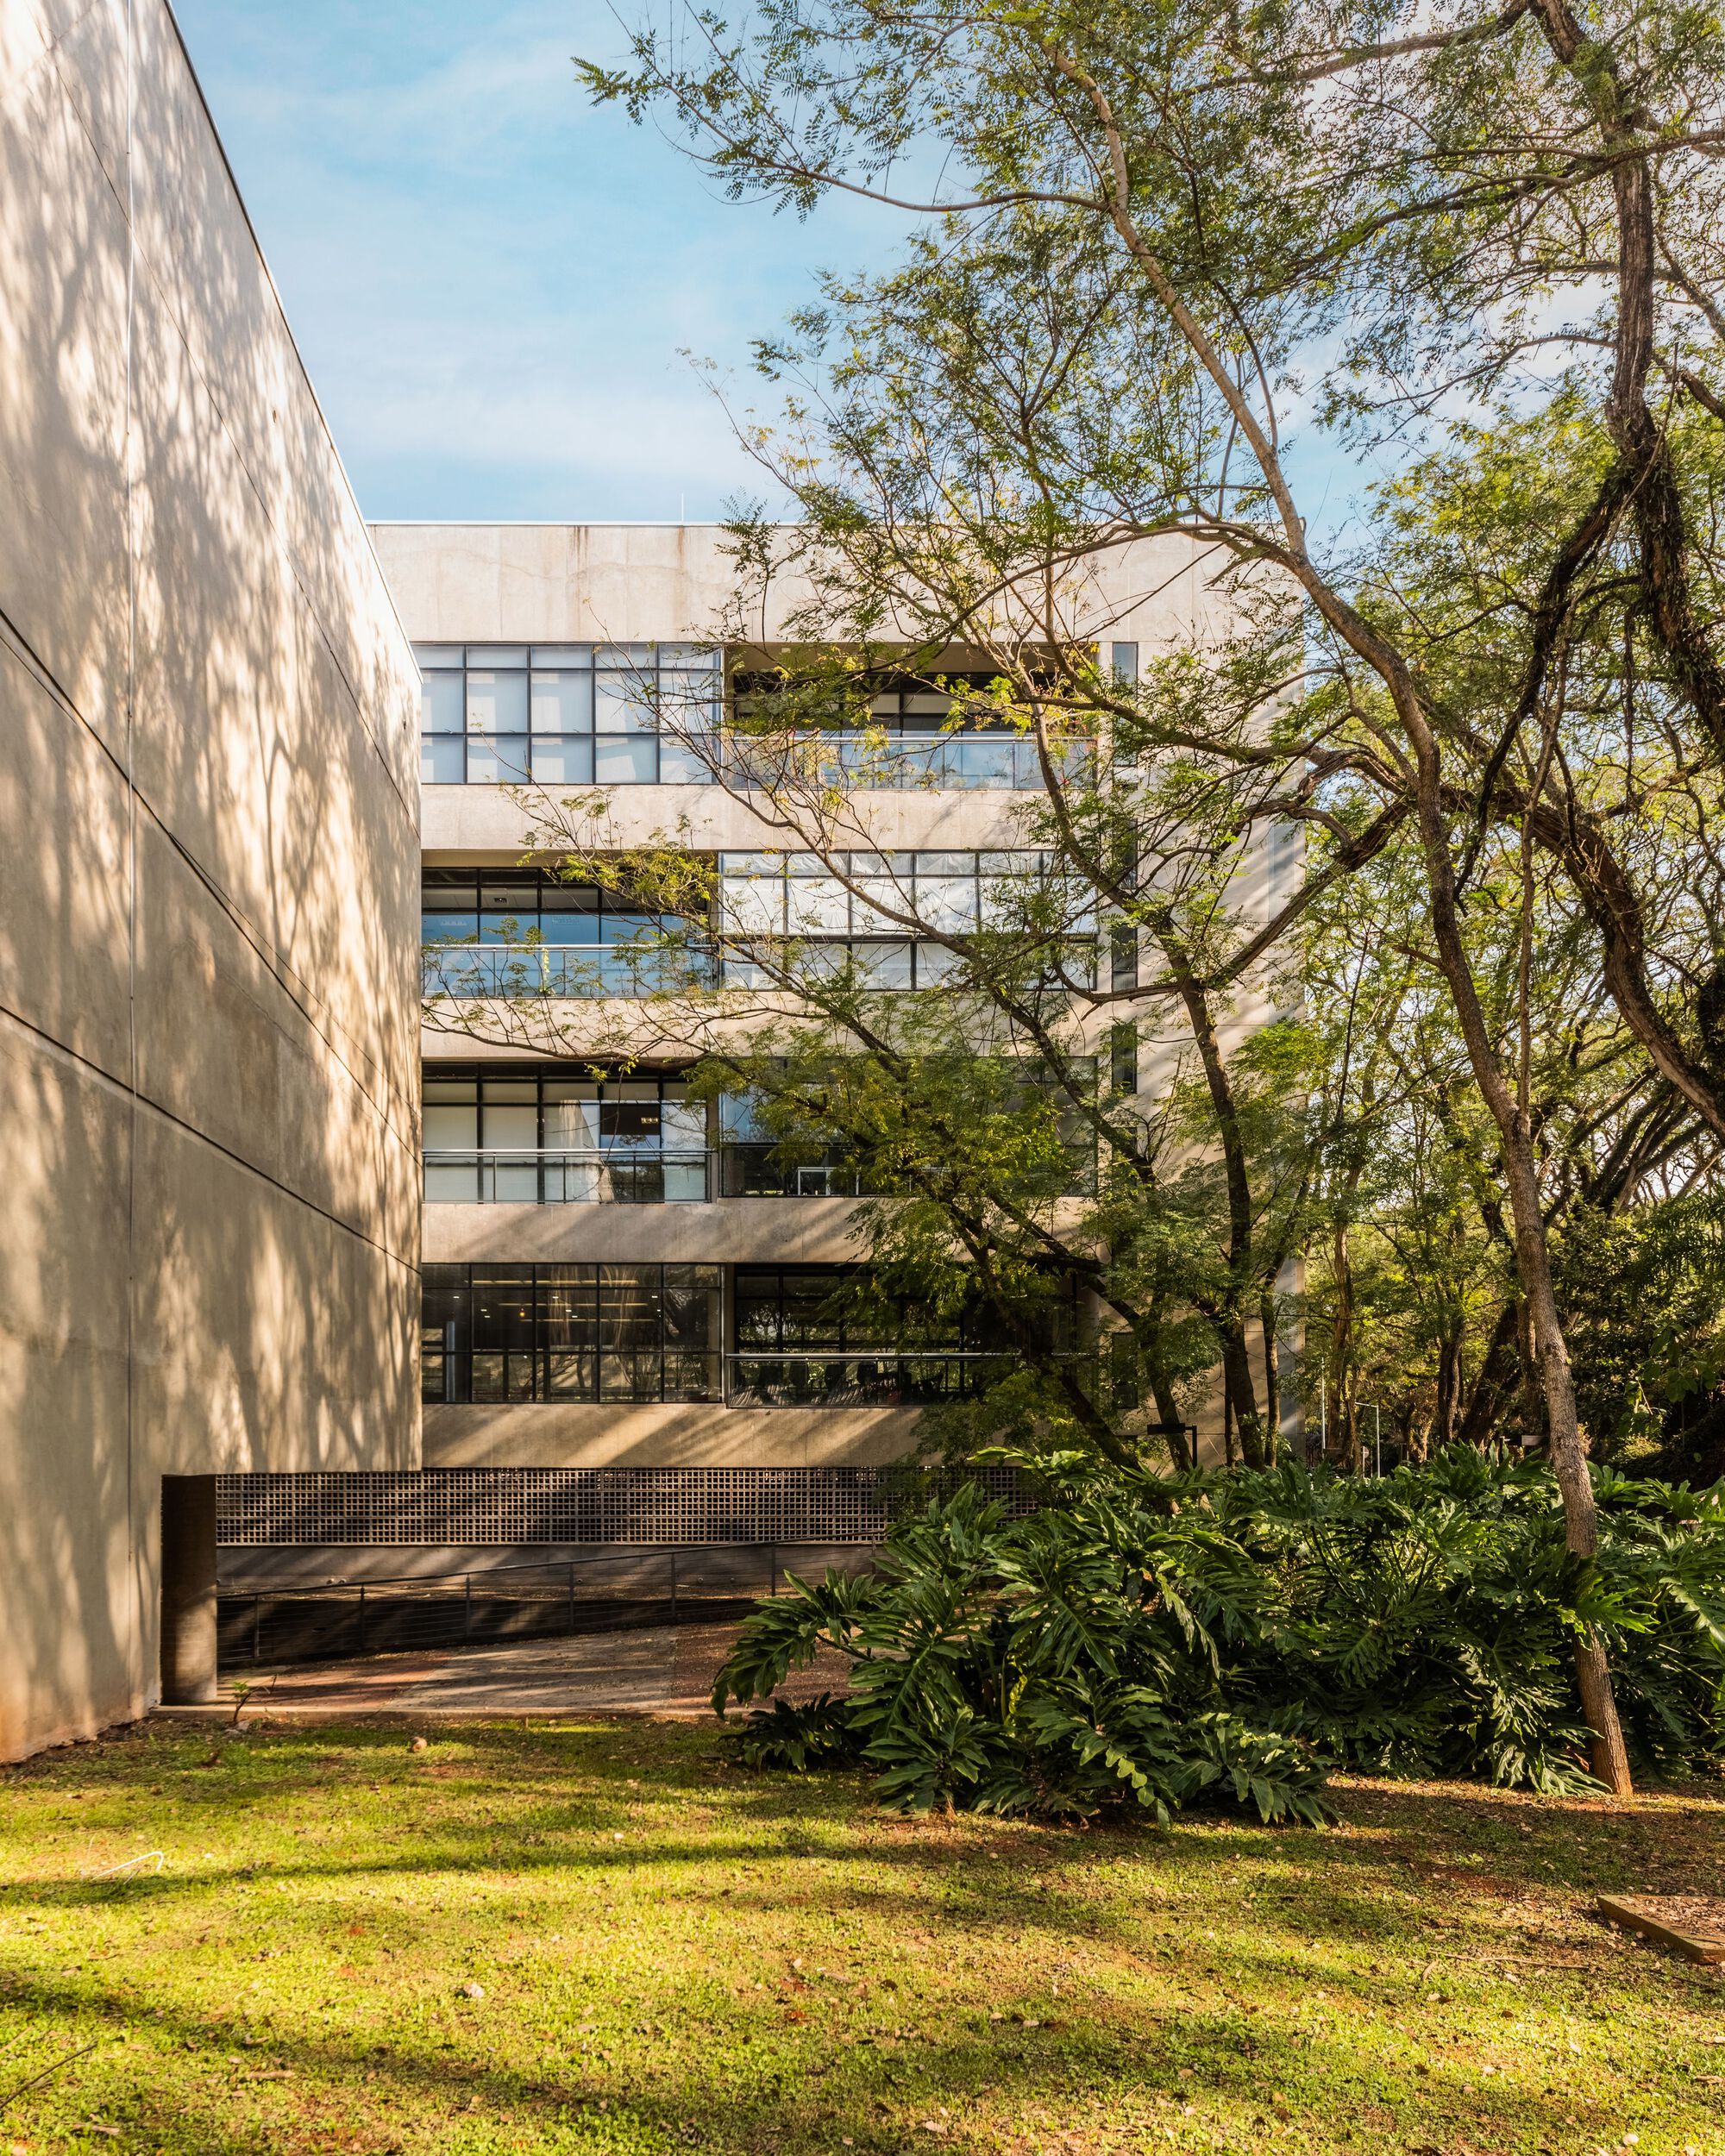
(1496, 1375)
(1448, 1413)
(1533, 1253)
(1240, 1395)
(1341, 1341)
(1167, 1408)
(1272, 1375)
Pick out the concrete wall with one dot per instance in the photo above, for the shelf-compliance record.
(464, 825)
(640, 583)
(539, 1434)
(733, 1231)
(208, 1222)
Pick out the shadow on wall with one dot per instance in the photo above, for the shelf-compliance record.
(209, 942)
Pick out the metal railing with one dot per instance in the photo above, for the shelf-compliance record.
(483, 1606)
(956, 762)
(622, 1175)
(573, 971)
(881, 1377)
(754, 1167)
(579, 1175)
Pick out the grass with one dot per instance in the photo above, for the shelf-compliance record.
(676, 1955)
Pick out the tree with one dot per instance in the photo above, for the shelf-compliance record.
(1155, 219)
(1006, 1154)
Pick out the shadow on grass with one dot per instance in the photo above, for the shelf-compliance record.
(1411, 1860)
(1130, 2068)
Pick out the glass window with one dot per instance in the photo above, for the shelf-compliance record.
(499, 761)
(449, 1129)
(442, 760)
(503, 1307)
(623, 705)
(507, 904)
(566, 920)
(981, 764)
(630, 1330)
(1124, 659)
(441, 704)
(536, 924)
(683, 1124)
(927, 714)
(686, 763)
(628, 1115)
(458, 1090)
(438, 654)
(571, 1123)
(562, 702)
(512, 1127)
(884, 965)
(816, 905)
(449, 927)
(562, 654)
(936, 964)
(626, 761)
(753, 905)
(689, 701)
(691, 1322)
(497, 655)
(448, 1305)
(947, 904)
(497, 703)
(560, 760)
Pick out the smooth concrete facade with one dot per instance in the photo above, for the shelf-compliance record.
(208, 1224)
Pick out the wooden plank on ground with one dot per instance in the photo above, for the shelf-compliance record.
(1687, 1924)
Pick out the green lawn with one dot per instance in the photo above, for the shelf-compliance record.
(674, 1954)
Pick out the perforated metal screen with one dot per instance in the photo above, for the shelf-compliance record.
(471, 1507)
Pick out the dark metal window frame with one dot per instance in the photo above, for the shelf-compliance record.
(656, 675)
(865, 938)
(521, 1361)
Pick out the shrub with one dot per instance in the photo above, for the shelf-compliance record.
(1138, 1642)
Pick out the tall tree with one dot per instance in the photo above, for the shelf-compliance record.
(1145, 225)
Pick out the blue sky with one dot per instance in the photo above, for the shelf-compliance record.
(492, 283)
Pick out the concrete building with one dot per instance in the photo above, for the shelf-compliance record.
(209, 868)
(608, 1286)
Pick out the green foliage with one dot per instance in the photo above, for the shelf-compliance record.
(1222, 1641)
(1643, 1298)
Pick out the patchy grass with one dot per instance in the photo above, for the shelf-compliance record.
(674, 1955)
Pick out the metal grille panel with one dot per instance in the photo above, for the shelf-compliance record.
(472, 1506)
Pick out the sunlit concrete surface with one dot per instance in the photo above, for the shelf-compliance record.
(209, 1218)
(669, 1669)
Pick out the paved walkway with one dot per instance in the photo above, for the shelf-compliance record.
(668, 1670)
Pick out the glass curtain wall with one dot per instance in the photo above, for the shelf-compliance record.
(521, 1136)
(947, 739)
(804, 1338)
(566, 714)
(866, 910)
(572, 1333)
(644, 714)
(520, 933)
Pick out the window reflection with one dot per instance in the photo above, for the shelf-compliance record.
(573, 1332)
